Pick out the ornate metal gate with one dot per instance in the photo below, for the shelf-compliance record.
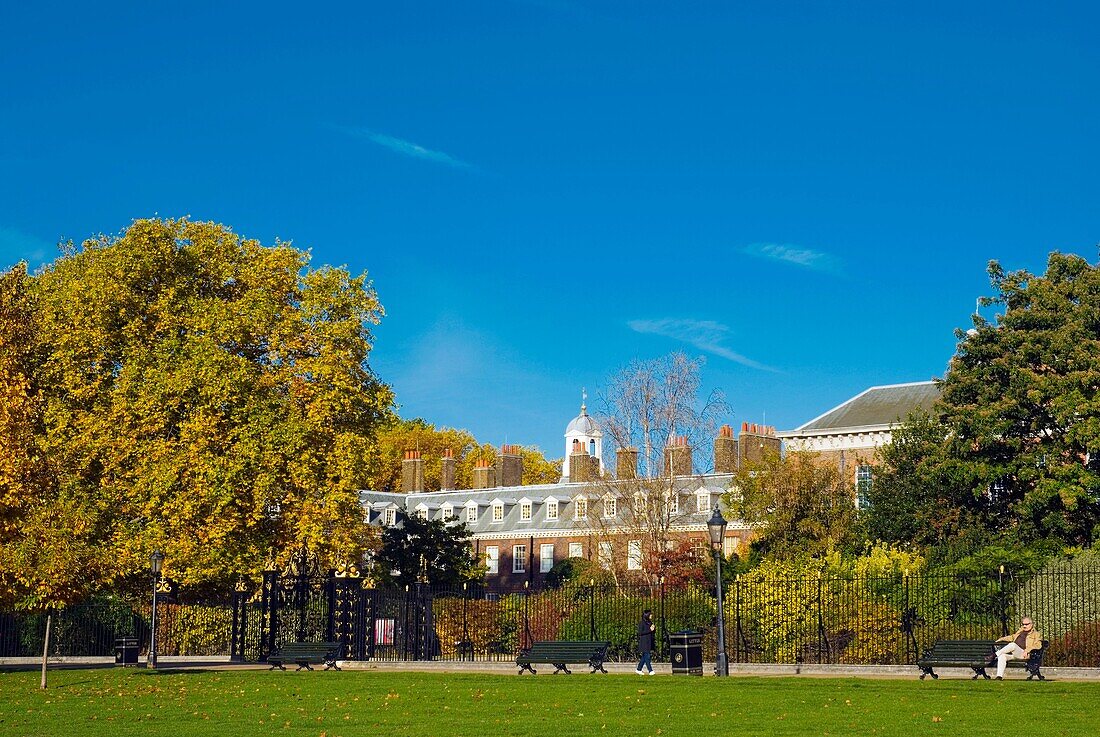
(302, 604)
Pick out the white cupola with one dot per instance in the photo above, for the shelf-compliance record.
(583, 429)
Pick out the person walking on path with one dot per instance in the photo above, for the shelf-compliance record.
(646, 633)
(1019, 645)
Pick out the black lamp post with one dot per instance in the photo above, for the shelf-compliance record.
(716, 526)
(155, 561)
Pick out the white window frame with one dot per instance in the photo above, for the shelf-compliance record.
(498, 512)
(730, 545)
(580, 508)
(672, 503)
(525, 512)
(546, 557)
(447, 511)
(389, 516)
(492, 559)
(576, 550)
(422, 512)
(865, 476)
(471, 514)
(634, 555)
(610, 507)
(702, 502)
(519, 559)
(551, 509)
(605, 555)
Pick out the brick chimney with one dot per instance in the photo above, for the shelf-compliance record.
(412, 472)
(583, 468)
(756, 441)
(678, 456)
(511, 466)
(725, 451)
(483, 474)
(626, 463)
(447, 473)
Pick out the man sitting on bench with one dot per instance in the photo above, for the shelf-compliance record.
(1019, 646)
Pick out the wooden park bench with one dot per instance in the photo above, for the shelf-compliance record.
(976, 655)
(560, 653)
(305, 654)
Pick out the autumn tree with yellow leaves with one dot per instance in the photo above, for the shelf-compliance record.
(183, 388)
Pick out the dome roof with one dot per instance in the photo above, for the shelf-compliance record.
(583, 424)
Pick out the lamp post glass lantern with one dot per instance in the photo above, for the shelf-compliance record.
(155, 561)
(716, 527)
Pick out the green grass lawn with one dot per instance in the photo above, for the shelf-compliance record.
(116, 702)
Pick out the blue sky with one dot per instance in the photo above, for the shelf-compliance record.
(542, 190)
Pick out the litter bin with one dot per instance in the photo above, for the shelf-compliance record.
(126, 651)
(686, 648)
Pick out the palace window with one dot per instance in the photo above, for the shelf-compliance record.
(609, 506)
(492, 558)
(552, 509)
(389, 517)
(863, 487)
(498, 511)
(519, 559)
(546, 557)
(634, 555)
(606, 555)
(471, 514)
(446, 512)
(525, 512)
(576, 550)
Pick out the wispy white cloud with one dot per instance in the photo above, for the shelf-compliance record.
(405, 148)
(15, 246)
(807, 258)
(706, 335)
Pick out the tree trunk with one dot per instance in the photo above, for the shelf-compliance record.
(46, 649)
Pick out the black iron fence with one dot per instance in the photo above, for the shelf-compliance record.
(808, 619)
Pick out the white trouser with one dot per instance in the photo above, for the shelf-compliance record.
(1010, 651)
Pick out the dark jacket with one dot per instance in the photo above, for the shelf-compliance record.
(645, 635)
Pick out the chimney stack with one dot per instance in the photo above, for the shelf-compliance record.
(678, 456)
(447, 474)
(483, 474)
(511, 465)
(725, 451)
(626, 463)
(412, 472)
(583, 468)
(757, 441)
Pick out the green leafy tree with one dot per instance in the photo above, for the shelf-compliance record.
(438, 550)
(921, 495)
(1022, 401)
(202, 394)
(798, 504)
(1011, 454)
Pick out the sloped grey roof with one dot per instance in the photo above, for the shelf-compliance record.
(879, 406)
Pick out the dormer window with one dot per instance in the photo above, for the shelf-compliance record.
(580, 508)
(446, 512)
(389, 517)
(609, 506)
(525, 512)
(422, 512)
(702, 501)
(672, 502)
(551, 509)
(471, 514)
(498, 511)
